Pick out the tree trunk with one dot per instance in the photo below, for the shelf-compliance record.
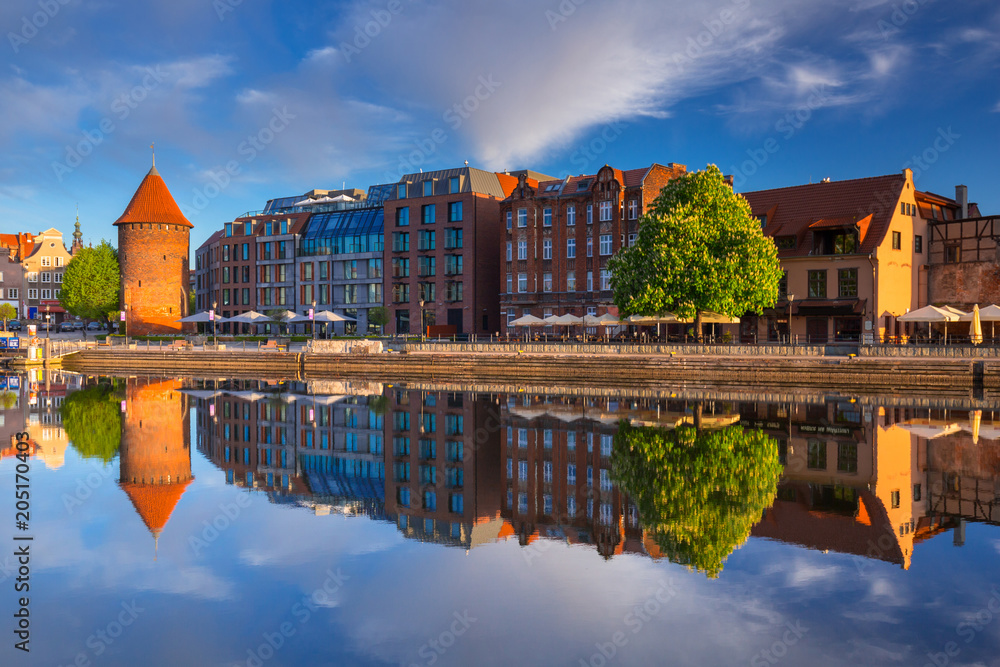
(697, 415)
(697, 327)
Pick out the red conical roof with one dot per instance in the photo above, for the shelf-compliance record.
(153, 203)
(155, 503)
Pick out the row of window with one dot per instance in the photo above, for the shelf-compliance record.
(47, 294)
(427, 188)
(456, 503)
(427, 240)
(522, 473)
(605, 247)
(46, 276)
(453, 291)
(605, 209)
(606, 516)
(522, 282)
(47, 261)
(606, 440)
(274, 227)
(847, 283)
(428, 214)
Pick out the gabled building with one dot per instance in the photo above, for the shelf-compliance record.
(560, 234)
(854, 255)
(43, 273)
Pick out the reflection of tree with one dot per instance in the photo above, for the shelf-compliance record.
(93, 422)
(698, 492)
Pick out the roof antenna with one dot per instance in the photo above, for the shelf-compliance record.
(152, 147)
(466, 163)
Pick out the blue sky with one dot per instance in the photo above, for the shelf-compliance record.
(252, 99)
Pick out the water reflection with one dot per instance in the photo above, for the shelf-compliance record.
(521, 509)
(464, 469)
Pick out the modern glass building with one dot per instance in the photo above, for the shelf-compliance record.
(339, 264)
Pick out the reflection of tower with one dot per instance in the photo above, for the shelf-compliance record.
(155, 455)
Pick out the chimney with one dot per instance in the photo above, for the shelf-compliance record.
(962, 199)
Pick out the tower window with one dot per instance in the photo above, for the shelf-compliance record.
(140, 283)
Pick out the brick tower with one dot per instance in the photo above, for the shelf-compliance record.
(153, 248)
(155, 454)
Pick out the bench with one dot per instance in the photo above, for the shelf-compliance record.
(180, 345)
(272, 344)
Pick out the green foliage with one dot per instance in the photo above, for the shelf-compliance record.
(378, 404)
(379, 316)
(698, 249)
(698, 492)
(91, 283)
(7, 313)
(93, 422)
(8, 399)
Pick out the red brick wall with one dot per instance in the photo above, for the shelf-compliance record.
(154, 276)
(480, 272)
(964, 284)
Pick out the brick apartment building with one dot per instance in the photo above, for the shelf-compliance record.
(13, 249)
(560, 234)
(248, 265)
(442, 229)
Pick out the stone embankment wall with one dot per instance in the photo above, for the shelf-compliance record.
(858, 375)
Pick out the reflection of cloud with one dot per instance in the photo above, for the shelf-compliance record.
(802, 574)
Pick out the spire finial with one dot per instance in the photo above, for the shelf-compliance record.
(152, 147)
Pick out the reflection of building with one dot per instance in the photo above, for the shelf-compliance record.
(155, 453)
(443, 485)
(557, 473)
(317, 444)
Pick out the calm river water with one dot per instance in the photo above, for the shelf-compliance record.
(238, 522)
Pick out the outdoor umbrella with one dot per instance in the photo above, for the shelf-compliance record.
(605, 320)
(528, 321)
(989, 314)
(250, 317)
(931, 314)
(976, 328)
(328, 316)
(976, 417)
(203, 316)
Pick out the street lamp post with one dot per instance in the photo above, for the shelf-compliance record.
(312, 317)
(791, 298)
(215, 340)
(48, 320)
(421, 302)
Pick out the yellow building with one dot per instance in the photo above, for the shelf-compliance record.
(854, 255)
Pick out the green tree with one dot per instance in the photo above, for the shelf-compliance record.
(7, 313)
(92, 283)
(279, 316)
(698, 492)
(698, 249)
(93, 422)
(379, 316)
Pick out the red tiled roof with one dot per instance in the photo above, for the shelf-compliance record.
(634, 177)
(152, 202)
(155, 502)
(795, 208)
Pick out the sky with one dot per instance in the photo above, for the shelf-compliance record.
(247, 100)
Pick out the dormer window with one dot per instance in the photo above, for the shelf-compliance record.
(763, 220)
